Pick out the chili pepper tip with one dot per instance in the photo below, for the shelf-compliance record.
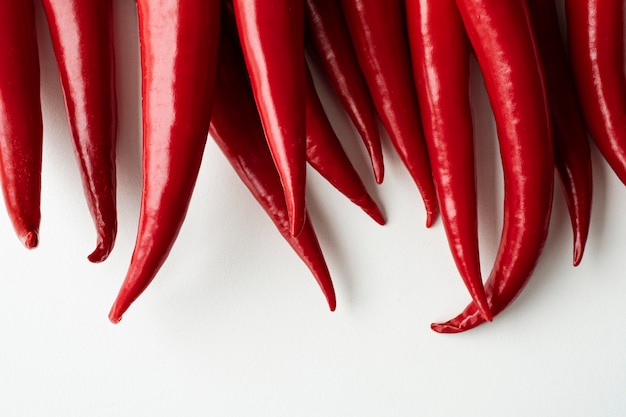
(101, 253)
(431, 216)
(332, 303)
(578, 252)
(445, 328)
(115, 315)
(371, 209)
(379, 171)
(31, 240)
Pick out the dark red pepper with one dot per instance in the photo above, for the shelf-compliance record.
(325, 154)
(272, 36)
(503, 40)
(440, 53)
(378, 34)
(329, 40)
(21, 126)
(595, 32)
(82, 36)
(571, 146)
(237, 129)
(179, 43)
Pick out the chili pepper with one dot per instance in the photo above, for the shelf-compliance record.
(441, 56)
(329, 40)
(325, 154)
(238, 131)
(21, 126)
(571, 146)
(595, 32)
(503, 40)
(377, 30)
(272, 36)
(179, 43)
(82, 36)
(323, 148)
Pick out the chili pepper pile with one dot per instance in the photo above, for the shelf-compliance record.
(240, 69)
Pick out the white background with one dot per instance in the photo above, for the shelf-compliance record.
(234, 324)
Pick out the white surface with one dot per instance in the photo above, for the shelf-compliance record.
(234, 324)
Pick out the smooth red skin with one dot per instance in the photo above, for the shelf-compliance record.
(595, 31)
(378, 35)
(571, 147)
(237, 130)
(179, 43)
(21, 126)
(326, 156)
(272, 36)
(503, 40)
(82, 37)
(440, 54)
(329, 39)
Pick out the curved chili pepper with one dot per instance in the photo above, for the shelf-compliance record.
(21, 125)
(272, 36)
(329, 38)
(596, 46)
(238, 131)
(179, 43)
(82, 37)
(325, 154)
(571, 147)
(440, 53)
(377, 30)
(502, 37)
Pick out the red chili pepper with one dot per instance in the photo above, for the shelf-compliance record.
(325, 154)
(82, 36)
(571, 146)
(323, 148)
(272, 36)
(441, 56)
(503, 40)
(237, 129)
(330, 42)
(596, 45)
(21, 126)
(377, 30)
(179, 43)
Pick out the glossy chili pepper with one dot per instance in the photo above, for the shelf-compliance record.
(571, 147)
(272, 36)
(329, 39)
(378, 33)
(323, 148)
(325, 154)
(237, 129)
(179, 43)
(595, 32)
(82, 36)
(440, 54)
(503, 40)
(21, 126)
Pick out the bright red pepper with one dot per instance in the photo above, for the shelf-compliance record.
(82, 36)
(378, 33)
(21, 126)
(330, 42)
(325, 154)
(571, 147)
(595, 32)
(272, 36)
(441, 57)
(238, 131)
(503, 40)
(179, 43)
